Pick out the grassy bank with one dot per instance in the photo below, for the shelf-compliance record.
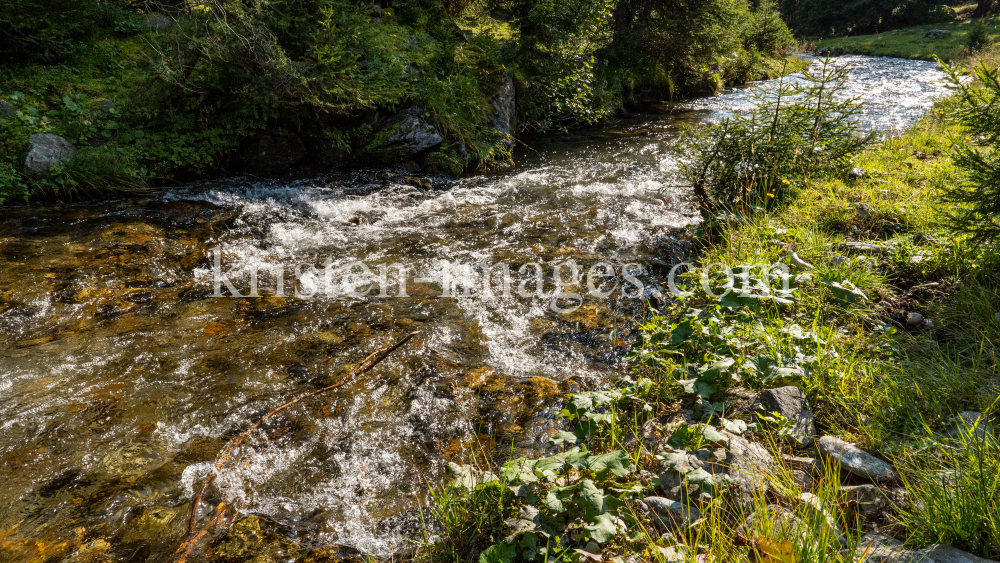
(914, 43)
(891, 329)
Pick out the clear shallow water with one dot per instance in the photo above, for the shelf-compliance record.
(121, 376)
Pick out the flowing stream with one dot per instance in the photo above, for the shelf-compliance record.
(122, 375)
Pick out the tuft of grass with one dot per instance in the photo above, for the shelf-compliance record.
(954, 495)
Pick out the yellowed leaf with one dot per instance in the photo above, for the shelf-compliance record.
(775, 551)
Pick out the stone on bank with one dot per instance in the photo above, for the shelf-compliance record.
(46, 151)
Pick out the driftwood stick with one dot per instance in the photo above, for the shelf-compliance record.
(193, 521)
(364, 366)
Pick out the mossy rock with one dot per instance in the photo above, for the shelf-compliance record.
(245, 539)
(442, 162)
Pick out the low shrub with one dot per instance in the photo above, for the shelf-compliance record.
(756, 160)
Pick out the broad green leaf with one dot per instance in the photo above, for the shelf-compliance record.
(681, 332)
(554, 503)
(578, 460)
(603, 528)
(734, 426)
(529, 546)
(617, 462)
(591, 497)
(499, 553)
(563, 437)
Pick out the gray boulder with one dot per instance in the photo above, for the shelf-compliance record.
(855, 461)
(864, 501)
(974, 426)
(751, 468)
(105, 108)
(414, 134)
(774, 522)
(880, 549)
(670, 513)
(503, 118)
(267, 155)
(947, 554)
(7, 110)
(790, 402)
(935, 33)
(45, 151)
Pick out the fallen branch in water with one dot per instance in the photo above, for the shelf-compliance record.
(192, 536)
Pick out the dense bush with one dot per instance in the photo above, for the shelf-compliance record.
(672, 46)
(756, 160)
(52, 31)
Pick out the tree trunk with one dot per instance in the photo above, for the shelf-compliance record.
(986, 7)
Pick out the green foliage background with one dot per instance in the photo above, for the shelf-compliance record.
(334, 72)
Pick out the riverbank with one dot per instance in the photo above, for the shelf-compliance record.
(921, 42)
(888, 342)
(114, 96)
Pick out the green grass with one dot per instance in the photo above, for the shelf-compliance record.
(913, 43)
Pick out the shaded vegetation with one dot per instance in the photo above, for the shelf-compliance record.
(196, 86)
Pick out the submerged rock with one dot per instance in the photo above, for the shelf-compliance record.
(244, 539)
(46, 151)
(856, 461)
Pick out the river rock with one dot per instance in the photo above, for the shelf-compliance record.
(935, 33)
(880, 549)
(45, 151)
(790, 402)
(503, 104)
(865, 501)
(822, 523)
(7, 110)
(244, 540)
(865, 247)
(800, 463)
(774, 522)
(267, 155)
(671, 513)
(855, 461)
(414, 134)
(750, 467)
(973, 425)
(914, 319)
(105, 108)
